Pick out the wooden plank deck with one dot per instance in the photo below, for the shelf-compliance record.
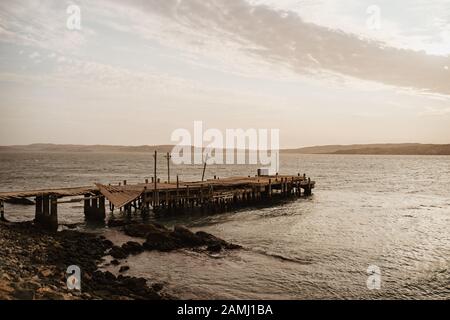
(59, 192)
(180, 196)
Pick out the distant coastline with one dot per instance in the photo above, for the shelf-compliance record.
(362, 149)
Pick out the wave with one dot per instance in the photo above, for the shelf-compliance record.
(280, 257)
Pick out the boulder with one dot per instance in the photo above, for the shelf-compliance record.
(141, 230)
(186, 237)
(161, 240)
(157, 287)
(124, 268)
(117, 252)
(117, 223)
(214, 248)
(23, 294)
(132, 247)
(115, 262)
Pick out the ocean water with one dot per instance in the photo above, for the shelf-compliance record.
(386, 212)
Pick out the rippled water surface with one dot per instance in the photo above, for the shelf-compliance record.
(389, 211)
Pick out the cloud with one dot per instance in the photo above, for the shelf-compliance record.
(232, 36)
(283, 38)
(34, 55)
(433, 111)
(40, 24)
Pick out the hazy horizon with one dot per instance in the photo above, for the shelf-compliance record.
(136, 71)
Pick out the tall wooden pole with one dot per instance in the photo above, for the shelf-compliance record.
(155, 180)
(168, 157)
(204, 168)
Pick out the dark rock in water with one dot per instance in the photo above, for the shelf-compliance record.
(141, 230)
(71, 226)
(115, 262)
(161, 240)
(211, 240)
(107, 243)
(165, 240)
(157, 286)
(117, 223)
(214, 248)
(186, 237)
(124, 268)
(117, 252)
(33, 265)
(132, 247)
(208, 238)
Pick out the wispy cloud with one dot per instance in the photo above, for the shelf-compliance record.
(284, 38)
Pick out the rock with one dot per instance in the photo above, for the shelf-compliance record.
(53, 296)
(115, 262)
(187, 237)
(157, 286)
(124, 268)
(46, 273)
(214, 248)
(210, 240)
(141, 230)
(161, 240)
(6, 277)
(23, 294)
(107, 243)
(132, 247)
(117, 223)
(6, 288)
(165, 240)
(117, 252)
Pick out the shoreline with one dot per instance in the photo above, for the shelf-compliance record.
(34, 262)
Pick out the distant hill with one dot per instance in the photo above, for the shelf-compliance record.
(42, 147)
(381, 149)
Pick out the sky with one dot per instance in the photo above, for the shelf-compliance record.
(322, 72)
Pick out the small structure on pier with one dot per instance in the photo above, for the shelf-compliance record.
(213, 195)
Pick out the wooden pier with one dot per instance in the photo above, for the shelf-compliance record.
(213, 195)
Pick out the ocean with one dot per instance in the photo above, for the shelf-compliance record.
(385, 213)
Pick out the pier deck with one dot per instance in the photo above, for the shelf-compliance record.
(218, 194)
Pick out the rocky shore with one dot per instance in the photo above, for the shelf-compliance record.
(33, 262)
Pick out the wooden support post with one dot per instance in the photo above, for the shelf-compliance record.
(52, 223)
(38, 213)
(2, 211)
(87, 205)
(167, 199)
(46, 205)
(46, 215)
(155, 181)
(94, 208)
(102, 207)
(178, 191)
(270, 189)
